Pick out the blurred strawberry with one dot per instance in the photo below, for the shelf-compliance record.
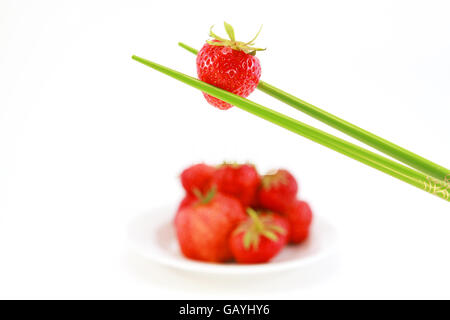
(203, 227)
(300, 217)
(237, 180)
(186, 202)
(198, 177)
(259, 238)
(278, 191)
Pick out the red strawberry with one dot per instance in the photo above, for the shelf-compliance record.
(186, 202)
(230, 65)
(278, 191)
(198, 177)
(299, 216)
(203, 228)
(259, 238)
(237, 180)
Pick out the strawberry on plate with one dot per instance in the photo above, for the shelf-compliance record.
(300, 217)
(203, 227)
(238, 180)
(198, 177)
(278, 191)
(259, 238)
(230, 65)
(188, 200)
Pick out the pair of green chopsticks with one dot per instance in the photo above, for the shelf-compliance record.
(429, 176)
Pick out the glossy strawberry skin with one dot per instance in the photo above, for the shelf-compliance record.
(228, 69)
(198, 177)
(299, 216)
(267, 248)
(239, 181)
(203, 230)
(279, 192)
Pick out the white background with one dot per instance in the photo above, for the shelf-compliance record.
(89, 139)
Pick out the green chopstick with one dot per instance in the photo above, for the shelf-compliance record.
(352, 130)
(397, 170)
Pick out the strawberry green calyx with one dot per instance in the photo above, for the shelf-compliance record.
(234, 164)
(273, 179)
(247, 47)
(207, 197)
(259, 226)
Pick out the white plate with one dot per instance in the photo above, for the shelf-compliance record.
(153, 236)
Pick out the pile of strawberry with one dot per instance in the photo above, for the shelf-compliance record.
(230, 212)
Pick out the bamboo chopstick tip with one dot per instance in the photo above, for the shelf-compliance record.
(142, 60)
(188, 48)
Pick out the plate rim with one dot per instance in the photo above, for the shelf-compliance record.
(218, 268)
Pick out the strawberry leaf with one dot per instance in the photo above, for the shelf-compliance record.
(250, 43)
(210, 195)
(251, 239)
(247, 239)
(197, 193)
(204, 199)
(277, 229)
(230, 31)
(270, 235)
(215, 36)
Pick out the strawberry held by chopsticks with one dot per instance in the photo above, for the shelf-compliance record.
(230, 65)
